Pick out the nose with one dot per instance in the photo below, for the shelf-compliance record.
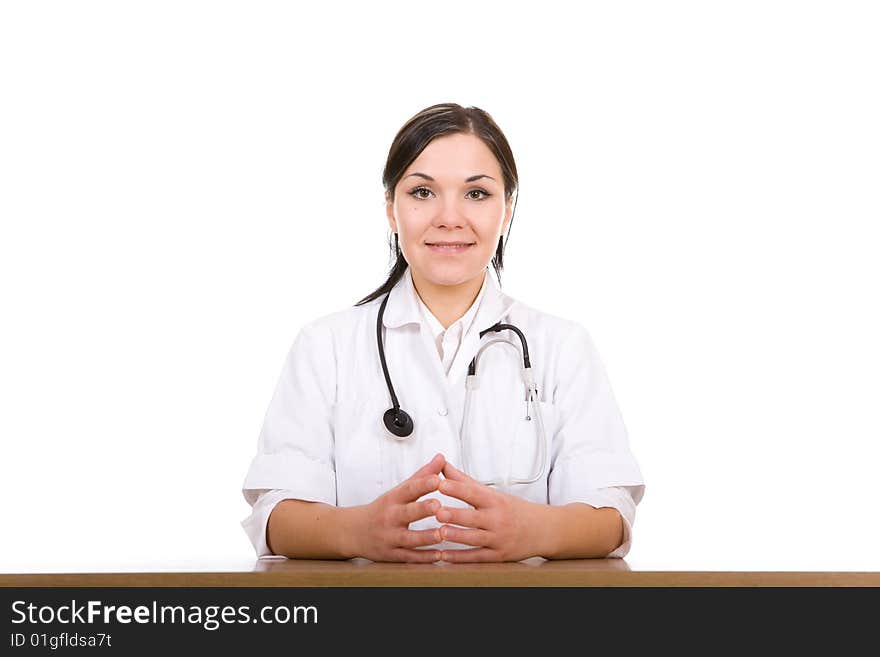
(449, 215)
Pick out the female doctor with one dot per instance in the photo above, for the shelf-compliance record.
(402, 429)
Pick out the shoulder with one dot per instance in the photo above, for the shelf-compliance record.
(562, 342)
(551, 326)
(342, 320)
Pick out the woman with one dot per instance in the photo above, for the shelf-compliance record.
(477, 468)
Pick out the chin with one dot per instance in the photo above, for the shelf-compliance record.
(450, 275)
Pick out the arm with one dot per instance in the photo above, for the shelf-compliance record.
(310, 530)
(592, 463)
(291, 484)
(378, 531)
(577, 531)
(505, 527)
(294, 459)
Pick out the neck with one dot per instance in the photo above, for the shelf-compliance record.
(448, 302)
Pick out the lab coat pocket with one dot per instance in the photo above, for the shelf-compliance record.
(528, 443)
(357, 451)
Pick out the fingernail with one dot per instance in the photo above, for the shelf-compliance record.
(442, 533)
(438, 535)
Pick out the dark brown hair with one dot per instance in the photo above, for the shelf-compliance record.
(432, 122)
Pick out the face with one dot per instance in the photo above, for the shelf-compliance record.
(452, 193)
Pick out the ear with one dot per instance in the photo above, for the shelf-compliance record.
(508, 215)
(389, 212)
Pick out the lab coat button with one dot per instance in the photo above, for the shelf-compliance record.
(442, 411)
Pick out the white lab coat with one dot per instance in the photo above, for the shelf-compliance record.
(323, 438)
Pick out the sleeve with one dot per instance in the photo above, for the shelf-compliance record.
(256, 523)
(620, 498)
(591, 457)
(294, 458)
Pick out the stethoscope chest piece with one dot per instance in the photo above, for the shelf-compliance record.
(398, 422)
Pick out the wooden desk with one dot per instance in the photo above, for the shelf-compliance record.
(534, 572)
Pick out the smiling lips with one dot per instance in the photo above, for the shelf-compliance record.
(449, 248)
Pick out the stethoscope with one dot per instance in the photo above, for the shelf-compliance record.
(400, 425)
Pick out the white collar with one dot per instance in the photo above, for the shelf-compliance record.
(464, 321)
(403, 304)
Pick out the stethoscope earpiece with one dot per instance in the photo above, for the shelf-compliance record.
(398, 422)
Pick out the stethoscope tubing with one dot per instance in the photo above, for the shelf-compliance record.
(472, 382)
(400, 425)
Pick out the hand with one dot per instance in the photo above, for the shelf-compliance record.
(382, 530)
(502, 527)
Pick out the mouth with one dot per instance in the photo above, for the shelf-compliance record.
(449, 248)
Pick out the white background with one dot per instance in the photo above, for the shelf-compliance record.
(184, 184)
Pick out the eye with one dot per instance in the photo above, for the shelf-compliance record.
(416, 192)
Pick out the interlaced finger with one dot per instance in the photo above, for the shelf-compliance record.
(463, 517)
(474, 493)
(417, 510)
(415, 556)
(475, 537)
(412, 489)
(411, 538)
(434, 466)
(470, 555)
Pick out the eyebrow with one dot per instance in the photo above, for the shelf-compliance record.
(467, 180)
